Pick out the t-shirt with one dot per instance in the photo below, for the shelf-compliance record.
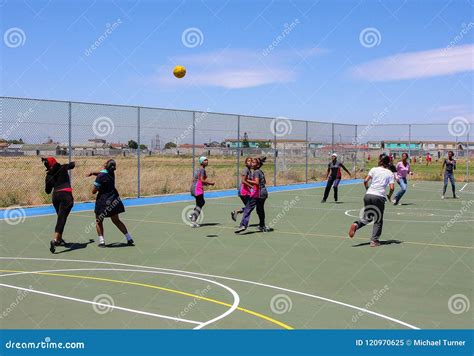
(450, 165)
(260, 190)
(335, 169)
(402, 170)
(381, 177)
(58, 178)
(244, 188)
(105, 184)
(196, 187)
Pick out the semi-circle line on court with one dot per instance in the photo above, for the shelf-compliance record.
(227, 278)
(232, 306)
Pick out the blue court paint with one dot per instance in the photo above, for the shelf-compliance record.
(19, 212)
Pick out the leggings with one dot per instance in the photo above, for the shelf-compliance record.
(63, 203)
(374, 207)
(450, 176)
(334, 182)
(197, 210)
(253, 203)
(245, 199)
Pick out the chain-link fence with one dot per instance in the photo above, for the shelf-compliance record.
(157, 149)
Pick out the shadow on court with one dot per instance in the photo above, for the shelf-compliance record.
(407, 204)
(116, 244)
(382, 243)
(72, 246)
(209, 224)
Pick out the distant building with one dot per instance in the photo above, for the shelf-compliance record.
(44, 149)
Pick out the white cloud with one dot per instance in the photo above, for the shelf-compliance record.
(424, 64)
(234, 69)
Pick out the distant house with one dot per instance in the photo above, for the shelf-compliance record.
(374, 145)
(401, 145)
(44, 149)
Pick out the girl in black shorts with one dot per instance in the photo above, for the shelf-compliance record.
(58, 181)
(108, 203)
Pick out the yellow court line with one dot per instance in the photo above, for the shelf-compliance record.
(251, 312)
(300, 233)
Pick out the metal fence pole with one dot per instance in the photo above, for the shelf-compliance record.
(356, 142)
(238, 153)
(306, 153)
(275, 155)
(69, 145)
(467, 152)
(138, 152)
(409, 141)
(332, 137)
(194, 140)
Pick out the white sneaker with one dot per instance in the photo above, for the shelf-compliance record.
(442, 197)
(194, 225)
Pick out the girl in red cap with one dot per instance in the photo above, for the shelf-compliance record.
(58, 182)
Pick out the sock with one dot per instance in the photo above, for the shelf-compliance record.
(128, 237)
(101, 240)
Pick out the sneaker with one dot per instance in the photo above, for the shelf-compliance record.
(130, 243)
(233, 215)
(264, 229)
(61, 243)
(374, 243)
(442, 197)
(454, 196)
(352, 230)
(323, 201)
(240, 229)
(394, 201)
(102, 244)
(195, 225)
(52, 246)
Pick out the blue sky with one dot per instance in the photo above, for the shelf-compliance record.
(415, 63)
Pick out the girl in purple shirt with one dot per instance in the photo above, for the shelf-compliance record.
(403, 170)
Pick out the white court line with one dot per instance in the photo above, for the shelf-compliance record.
(465, 185)
(234, 306)
(347, 212)
(226, 278)
(100, 304)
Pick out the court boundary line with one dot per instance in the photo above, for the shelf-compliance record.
(350, 306)
(245, 310)
(410, 221)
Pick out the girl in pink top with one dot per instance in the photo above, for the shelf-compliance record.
(197, 190)
(403, 170)
(245, 186)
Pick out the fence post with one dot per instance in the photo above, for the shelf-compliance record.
(138, 152)
(69, 145)
(468, 157)
(332, 138)
(409, 141)
(306, 154)
(194, 140)
(238, 153)
(275, 154)
(356, 142)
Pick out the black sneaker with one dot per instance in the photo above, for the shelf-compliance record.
(102, 244)
(130, 243)
(52, 246)
(323, 201)
(233, 215)
(264, 229)
(241, 229)
(61, 243)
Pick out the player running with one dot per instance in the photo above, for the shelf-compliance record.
(403, 170)
(333, 176)
(449, 166)
(245, 187)
(197, 190)
(374, 199)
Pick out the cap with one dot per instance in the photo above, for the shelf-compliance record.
(202, 159)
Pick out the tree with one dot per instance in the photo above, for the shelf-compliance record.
(143, 147)
(170, 145)
(132, 145)
(264, 144)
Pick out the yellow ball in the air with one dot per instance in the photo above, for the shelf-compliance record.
(179, 71)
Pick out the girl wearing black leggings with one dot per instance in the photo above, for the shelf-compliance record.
(58, 181)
